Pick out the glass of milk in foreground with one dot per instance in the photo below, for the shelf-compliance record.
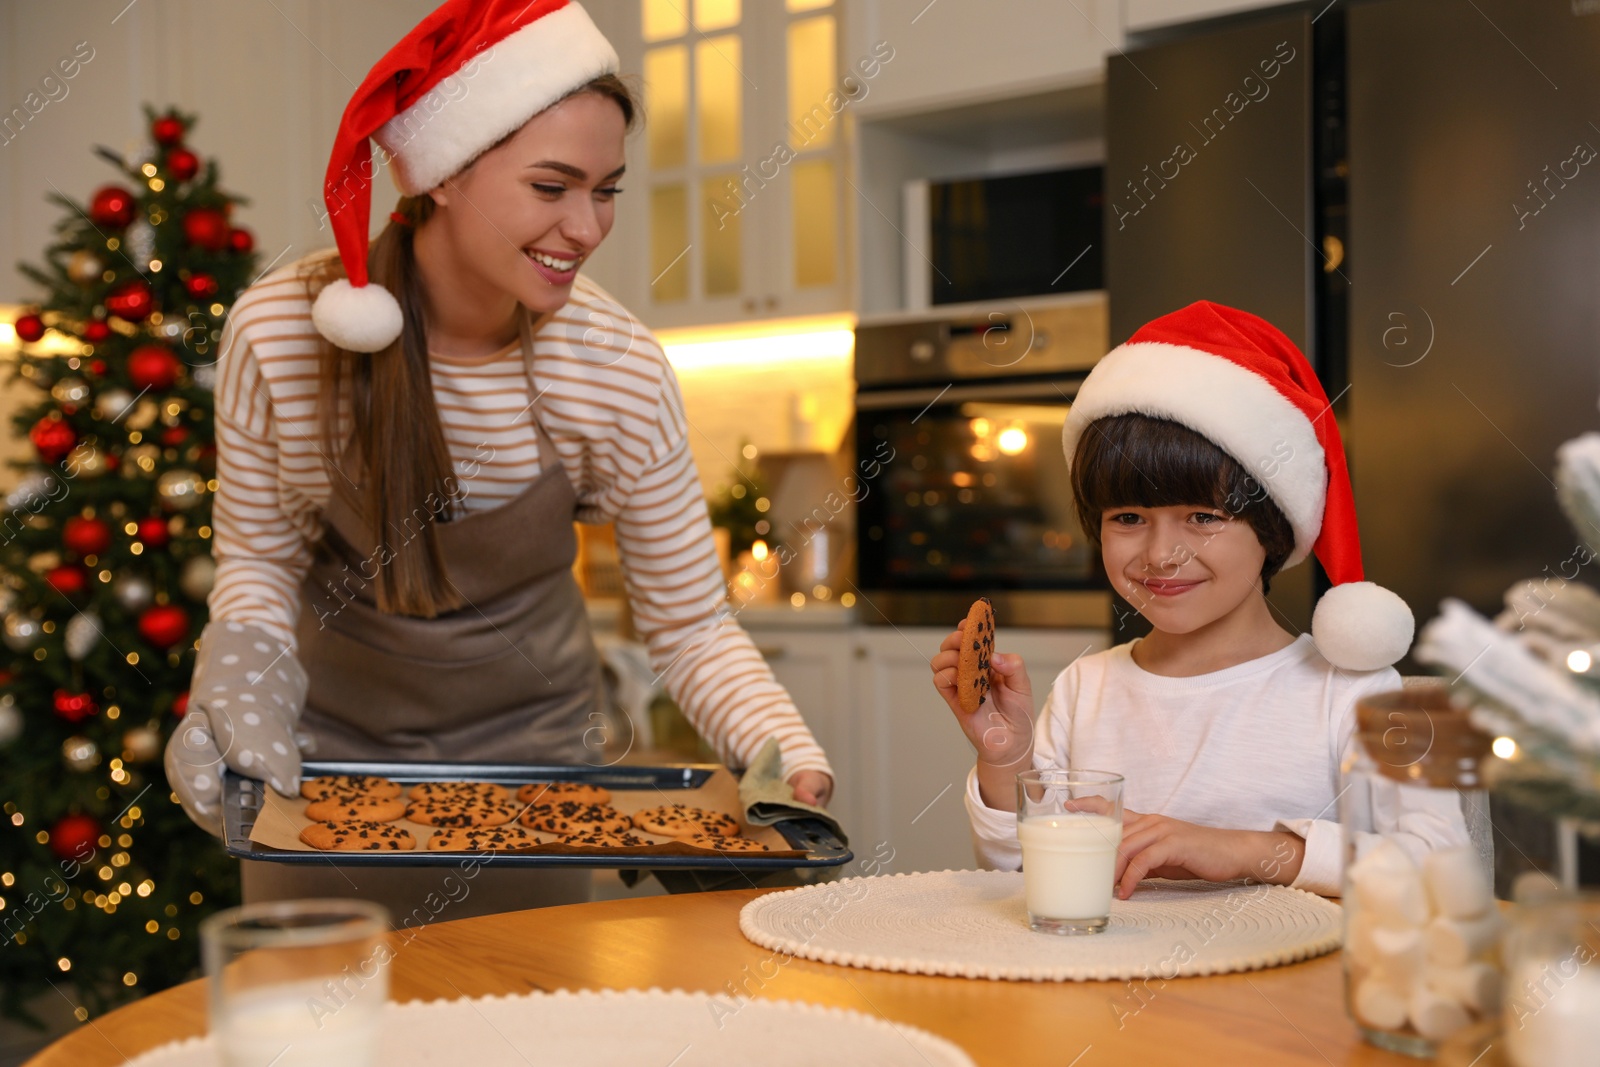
(297, 983)
(1069, 824)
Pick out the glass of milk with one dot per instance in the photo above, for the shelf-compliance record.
(297, 983)
(1069, 824)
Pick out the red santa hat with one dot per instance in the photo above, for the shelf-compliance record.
(469, 74)
(1236, 380)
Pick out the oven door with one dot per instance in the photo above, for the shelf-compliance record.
(967, 495)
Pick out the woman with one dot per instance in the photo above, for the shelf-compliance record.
(405, 437)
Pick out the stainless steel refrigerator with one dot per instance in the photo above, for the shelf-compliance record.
(1410, 189)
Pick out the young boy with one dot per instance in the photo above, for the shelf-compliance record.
(1204, 459)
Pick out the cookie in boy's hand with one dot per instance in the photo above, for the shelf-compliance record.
(977, 645)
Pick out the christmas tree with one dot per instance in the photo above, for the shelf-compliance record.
(106, 564)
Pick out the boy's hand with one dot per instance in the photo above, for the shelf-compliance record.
(1155, 846)
(1001, 730)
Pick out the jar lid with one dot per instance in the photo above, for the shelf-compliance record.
(1417, 735)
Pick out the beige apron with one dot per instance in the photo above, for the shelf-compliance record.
(511, 677)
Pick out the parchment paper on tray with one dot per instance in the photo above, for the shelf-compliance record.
(282, 818)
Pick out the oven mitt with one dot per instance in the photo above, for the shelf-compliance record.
(244, 701)
(766, 797)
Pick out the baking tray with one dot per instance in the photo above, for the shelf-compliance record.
(241, 800)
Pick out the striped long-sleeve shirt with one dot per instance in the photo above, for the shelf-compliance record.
(602, 390)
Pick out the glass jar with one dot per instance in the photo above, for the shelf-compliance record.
(1552, 1006)
(1422, 929)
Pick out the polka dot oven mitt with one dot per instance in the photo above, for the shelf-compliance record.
(244, 700)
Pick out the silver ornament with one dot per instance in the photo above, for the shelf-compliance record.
(86, 461)
(22, 632)
(81, 635)
(84, 267)
(81, 753)
(34, 487)
(113, 403)
(141, 744)
(140, 460)
(133, 591)
(143, 415)
(197, 577)
(71, 391)
(140, 243)
(171, 328)
(180, 489)
(205, 376)
(10, 720)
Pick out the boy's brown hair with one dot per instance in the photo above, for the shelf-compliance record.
(1147, 462)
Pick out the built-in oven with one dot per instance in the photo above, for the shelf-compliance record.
(958, 438)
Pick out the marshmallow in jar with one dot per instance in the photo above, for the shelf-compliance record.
(1422, 929)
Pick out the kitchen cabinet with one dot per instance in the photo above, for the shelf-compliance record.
(734, 205)
(816, 666)
(900, 761)
(1150, 14)
(953, 52)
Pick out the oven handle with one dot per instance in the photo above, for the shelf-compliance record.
(875, 399)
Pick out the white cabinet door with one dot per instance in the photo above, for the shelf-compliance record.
(953, 52)
(736, 206)
(817, 669)
(1147, 14)
(914, 759)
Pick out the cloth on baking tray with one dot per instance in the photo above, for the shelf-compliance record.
(766, 797)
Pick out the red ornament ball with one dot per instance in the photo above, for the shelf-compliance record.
(207, 228)
(86, 536)
(182, 164)
(164, 625)
(173, 436)
(241, 240)
(131, 300)
(75, 707)
(180, 704)
(167, 130)
(200, 286)
(97, 367)
(69, 579)
(112, 207)
(52, 438)
(30, 327)
(73, 837)
(153, 531)
(153, 367)
(96, 330)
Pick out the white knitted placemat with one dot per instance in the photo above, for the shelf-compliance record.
(974, 924)
(611, 1028)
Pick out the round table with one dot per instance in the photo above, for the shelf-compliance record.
(1285, 1016)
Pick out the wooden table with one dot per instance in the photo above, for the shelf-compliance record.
(1285, 1016)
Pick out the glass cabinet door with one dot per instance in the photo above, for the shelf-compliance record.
(743, 152)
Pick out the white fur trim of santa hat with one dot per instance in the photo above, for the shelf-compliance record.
(493, 94)
(1237, 410)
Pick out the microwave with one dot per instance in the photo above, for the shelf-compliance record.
(998, 237)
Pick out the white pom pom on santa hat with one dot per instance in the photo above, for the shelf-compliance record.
(1238, 381)
(359, 319)
(1361, 626)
